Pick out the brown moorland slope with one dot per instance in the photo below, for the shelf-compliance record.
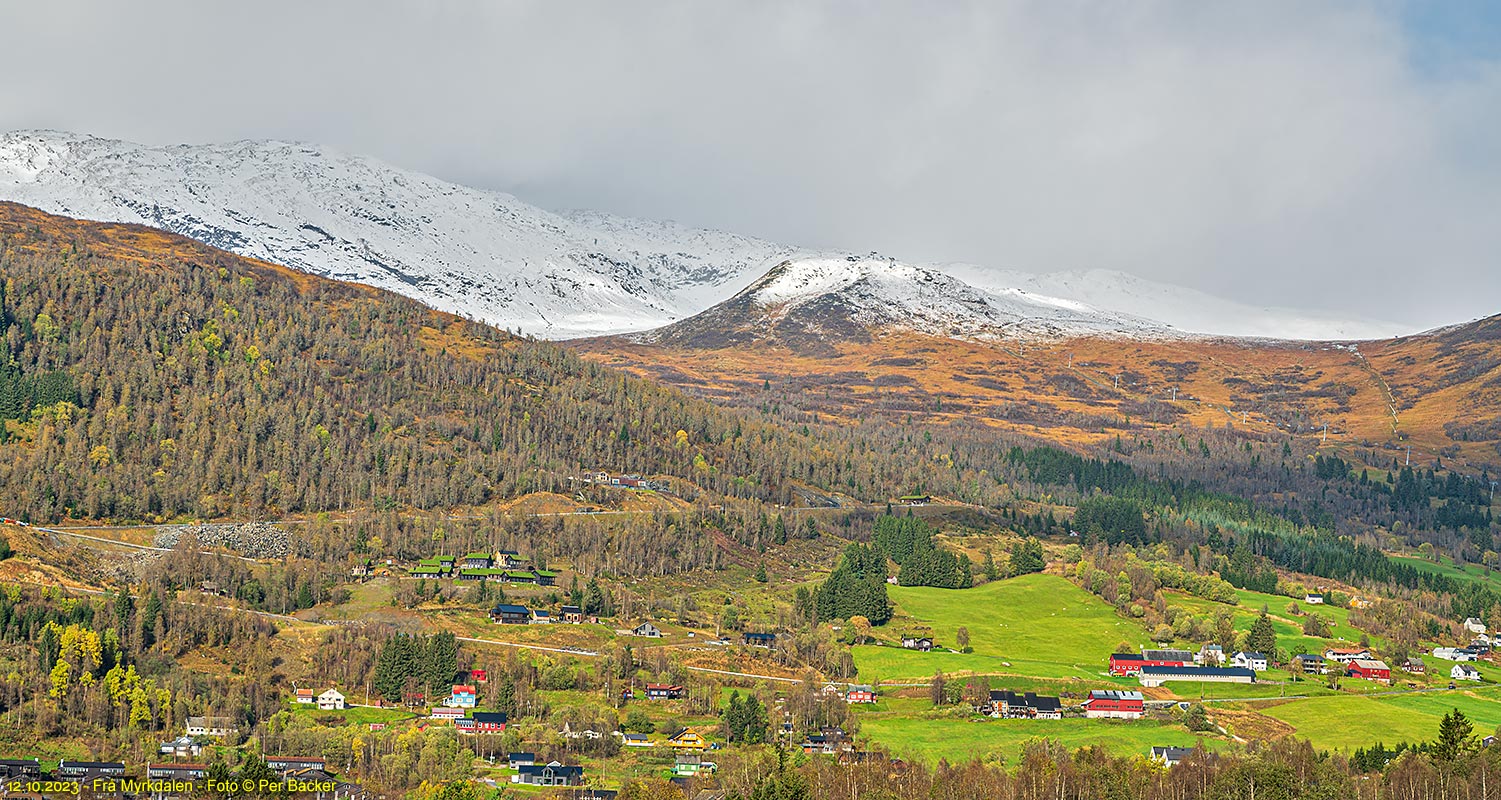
(1439, 392)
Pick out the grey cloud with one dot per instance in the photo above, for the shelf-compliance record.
(1281, 153)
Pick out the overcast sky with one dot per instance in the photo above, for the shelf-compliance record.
(1325, 155)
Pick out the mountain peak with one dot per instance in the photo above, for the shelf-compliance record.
(812, 302)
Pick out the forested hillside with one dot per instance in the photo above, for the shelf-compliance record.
(146, 376)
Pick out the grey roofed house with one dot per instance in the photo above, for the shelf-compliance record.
(1171, 755)
(20, 768)
(515, 760)
(549, 774)
(90, 769)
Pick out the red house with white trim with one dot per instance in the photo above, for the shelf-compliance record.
(1125, 664)
(1111, 703)
(1369, 669)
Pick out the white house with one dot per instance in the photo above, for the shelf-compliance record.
(1453, 654)
(1210, 655)
(1314, 598)
(1253, 661)
(1464, 672)
(331, 700)
(1474, 625)
(1345, 656)
(219, 727)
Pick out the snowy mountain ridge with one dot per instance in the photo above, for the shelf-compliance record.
(884, 293)
(558, 275)
(478, 253)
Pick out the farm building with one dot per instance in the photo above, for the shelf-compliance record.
(517, 760)
(1474, 625)
(331, 700)
(446, 713)
(860, 694)
(573, 615)
(1415, 665)
(1370, 670)
(647, 629)
(1464, 672)
(915, 642)
(1012, 705)
(636, 740)
(1210, 655)
(1114, 704)
(479, 561)
(1156, 676)
(760, 639)
(306, 696)
(1314, 598)
(1124, 664)
(541, 616)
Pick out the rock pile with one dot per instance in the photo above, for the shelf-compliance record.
(250, 539)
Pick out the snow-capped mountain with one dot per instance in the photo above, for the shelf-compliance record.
(559, 275)
(1182, 308)
(482, 254)
(808, 300)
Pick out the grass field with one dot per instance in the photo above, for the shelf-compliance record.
(1345, 721)
(1474, 573)
(1035, 625)
(960, 739)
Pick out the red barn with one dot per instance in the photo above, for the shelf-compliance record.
(1370, 670)
(1124, 664)
(1114, 704)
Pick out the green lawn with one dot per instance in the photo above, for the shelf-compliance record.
(960, 739)
(353, 715)
(1037, 625)
(1345, 721)
(1474, 573)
